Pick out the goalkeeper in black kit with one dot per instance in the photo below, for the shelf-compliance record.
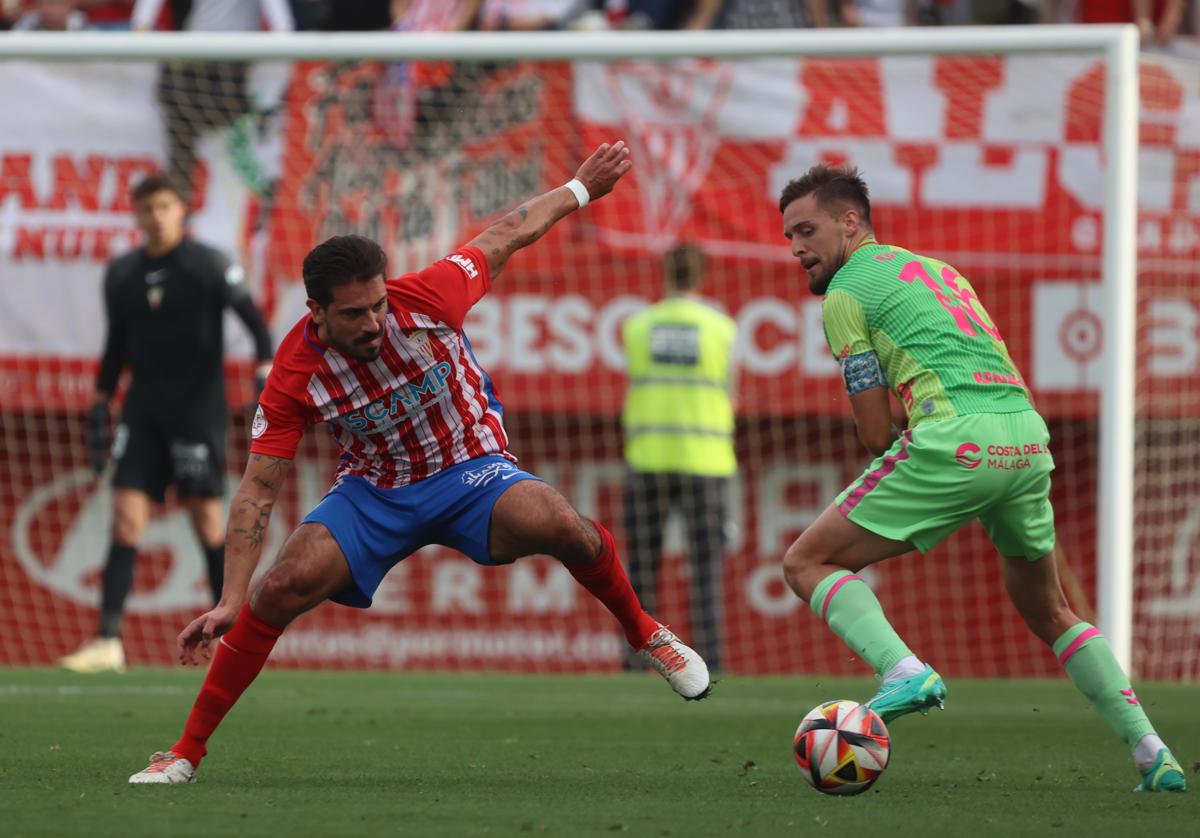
(165, 303)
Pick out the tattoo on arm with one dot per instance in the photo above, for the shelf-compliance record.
(269, 472)
(251, 512)
(516, 230)
(259, 515)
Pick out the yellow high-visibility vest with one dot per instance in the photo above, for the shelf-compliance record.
(678, 415)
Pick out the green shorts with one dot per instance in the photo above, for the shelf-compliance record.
(941, 475)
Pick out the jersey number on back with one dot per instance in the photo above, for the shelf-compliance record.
(961, 302)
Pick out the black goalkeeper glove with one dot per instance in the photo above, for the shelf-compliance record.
(98, 440)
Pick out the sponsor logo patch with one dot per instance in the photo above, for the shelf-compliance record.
(466, 264)
(479, 477)
(968, 455)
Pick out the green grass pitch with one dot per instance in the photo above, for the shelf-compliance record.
(423, 755)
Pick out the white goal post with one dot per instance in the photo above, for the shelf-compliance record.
(1116, 45)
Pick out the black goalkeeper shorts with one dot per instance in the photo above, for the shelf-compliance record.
(150, 456)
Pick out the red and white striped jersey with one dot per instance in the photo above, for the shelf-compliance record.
(423, 405)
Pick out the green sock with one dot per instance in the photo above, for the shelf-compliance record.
(850, 608)
(1084, 653)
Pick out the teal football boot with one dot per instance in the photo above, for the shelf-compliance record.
(909, 695)
(1164, 775)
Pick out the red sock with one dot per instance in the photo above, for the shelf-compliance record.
(607, 582)
(239, 658)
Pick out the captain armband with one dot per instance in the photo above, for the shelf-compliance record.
(862, 372)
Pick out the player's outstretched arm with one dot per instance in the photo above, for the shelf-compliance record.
(249, 515)
(530, 221)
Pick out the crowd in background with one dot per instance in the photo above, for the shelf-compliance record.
(1162, 22)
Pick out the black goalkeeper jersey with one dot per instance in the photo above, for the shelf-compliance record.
(165, 321)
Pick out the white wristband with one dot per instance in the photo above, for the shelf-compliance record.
(579, 191)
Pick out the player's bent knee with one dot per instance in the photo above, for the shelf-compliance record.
(126, 534)
(289, 589)
(1054, 623)
(535, 519)
(569, 537)
(797, 564)
(1047, 619)
(281, 599)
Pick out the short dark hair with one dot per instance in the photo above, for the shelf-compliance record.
(835, 187)
(339, 261)
(152, 183)
(684, 266)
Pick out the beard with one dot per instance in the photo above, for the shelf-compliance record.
(367, 353)
(818, 285)
(361, 349)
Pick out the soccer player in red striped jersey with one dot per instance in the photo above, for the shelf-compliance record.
(385, 364)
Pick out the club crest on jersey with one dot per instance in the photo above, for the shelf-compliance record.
(406, 399)
(259, 426)
(418, 341)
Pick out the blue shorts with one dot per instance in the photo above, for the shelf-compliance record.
(376, 528)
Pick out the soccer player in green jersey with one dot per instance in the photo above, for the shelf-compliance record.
(974, 448)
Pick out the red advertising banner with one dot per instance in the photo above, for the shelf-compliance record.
(438, 610)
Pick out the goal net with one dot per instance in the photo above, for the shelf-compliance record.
(994, 161)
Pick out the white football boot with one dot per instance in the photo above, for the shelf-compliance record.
(684, 669)
(165, 767)
(101, 654)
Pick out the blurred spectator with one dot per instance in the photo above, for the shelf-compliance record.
(220, 15)
(879, 12)
(1003, 12)
(678, 423)
(52, 16)
(530, 15)
(415, 92)
(200, 96)
(662, 14)
(775, 14)
(353, 15)
(1158, 21)
(434, 15)
(312, 14)
(110, 15)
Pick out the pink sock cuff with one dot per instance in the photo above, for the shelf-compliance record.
(1077, 643)
(837, 586)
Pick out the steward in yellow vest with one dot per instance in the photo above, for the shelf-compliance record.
(678, 422)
